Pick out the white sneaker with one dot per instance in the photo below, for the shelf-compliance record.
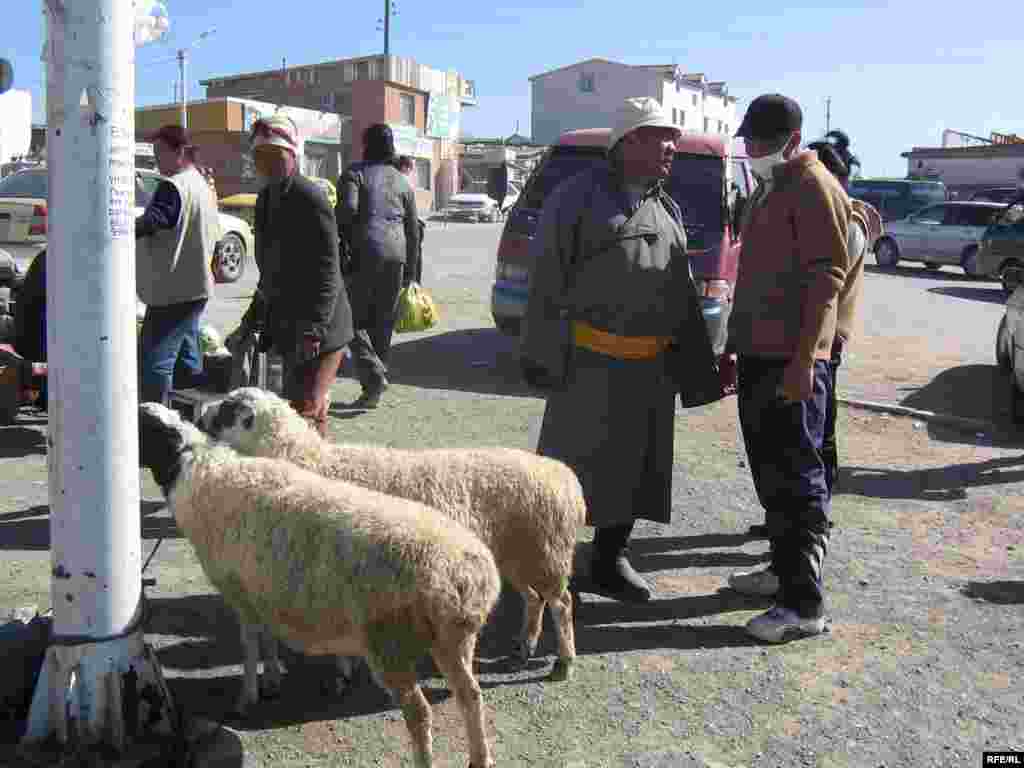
(781, 624)
(762, 583)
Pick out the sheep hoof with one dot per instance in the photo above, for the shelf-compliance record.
(562, 670)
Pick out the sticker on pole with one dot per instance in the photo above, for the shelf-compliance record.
(122, 184)
(6, 75)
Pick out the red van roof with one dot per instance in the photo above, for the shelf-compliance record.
(691, 142)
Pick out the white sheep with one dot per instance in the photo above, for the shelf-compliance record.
(332, 568)
(525, 507)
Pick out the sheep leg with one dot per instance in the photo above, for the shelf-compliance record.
(533, 620)
(454, 657)
(271, 688)
(250, 693)
(562, 608)
(416, 711)
(346, 668)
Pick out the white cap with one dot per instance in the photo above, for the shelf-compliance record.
(639, 112)
(276, 131)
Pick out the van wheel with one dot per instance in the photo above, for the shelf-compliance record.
(1008, 287)
(1004, 348)
(969, 261)
(887, 253)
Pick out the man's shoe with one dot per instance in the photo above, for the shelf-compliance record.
(760, 530)
(781, 624)
(619, 581)
(759, 583)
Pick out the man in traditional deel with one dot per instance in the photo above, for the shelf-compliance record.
(613, 330)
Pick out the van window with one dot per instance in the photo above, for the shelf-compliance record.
(926, 194)
(696, 186)
(974, 216)
(561, 164)
(25, 184)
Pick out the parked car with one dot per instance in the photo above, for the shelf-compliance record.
(1002, 247)
(1010, 343)
(472, 206)
(24, 215)
(1005, 195)
(237, 244)
(947, 233)
(898, 198)
(711, 181)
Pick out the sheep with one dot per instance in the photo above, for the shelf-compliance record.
(525, 507)
(332, 568)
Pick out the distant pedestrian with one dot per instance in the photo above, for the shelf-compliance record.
(865, 229)
(793, 267)
(376, 213)
(414, 269)
(301, 306)
(176, 236)
(612, 317)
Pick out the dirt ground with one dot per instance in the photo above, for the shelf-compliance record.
(921, 666)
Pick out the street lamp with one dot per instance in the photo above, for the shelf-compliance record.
(182, 57)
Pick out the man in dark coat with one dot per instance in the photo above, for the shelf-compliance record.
(612, 319)
(301, 305)
(376, 214)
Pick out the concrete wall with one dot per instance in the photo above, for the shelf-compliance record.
(993, 170)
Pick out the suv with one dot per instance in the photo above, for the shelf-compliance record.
(1002, 249)
(710, 182)
(898, 198)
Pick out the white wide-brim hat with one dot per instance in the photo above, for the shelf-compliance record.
(639, 112)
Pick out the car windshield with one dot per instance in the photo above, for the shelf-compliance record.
(35, 184)
(696, 186)
(31, 184)
(562, 164)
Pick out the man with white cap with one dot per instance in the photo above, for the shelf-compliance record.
(301, 305)
(612, 318)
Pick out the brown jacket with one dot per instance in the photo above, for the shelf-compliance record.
(793, 265)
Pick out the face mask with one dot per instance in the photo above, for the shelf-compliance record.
(762, 166)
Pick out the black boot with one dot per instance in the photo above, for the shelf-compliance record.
(611, 572)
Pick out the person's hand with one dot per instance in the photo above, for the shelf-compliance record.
(310, 347)
(727, 373)
(797, 382)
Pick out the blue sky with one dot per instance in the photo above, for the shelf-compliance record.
(897, 74)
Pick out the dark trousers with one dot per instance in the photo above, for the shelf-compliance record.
(829, 446)
(169, 334)
(784, 449)
(374, 294)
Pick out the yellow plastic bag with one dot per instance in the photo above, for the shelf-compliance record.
(416, 310)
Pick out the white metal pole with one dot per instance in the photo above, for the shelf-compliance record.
(97, 642)
(184, 95)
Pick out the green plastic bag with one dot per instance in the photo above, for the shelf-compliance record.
(416, 310)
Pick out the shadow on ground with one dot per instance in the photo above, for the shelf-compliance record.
(972, 392)
(29, 529)
(18, 441)
(480, 360)
(1000, 592)
(989, 295)
(949, 483)
(208, 636)
(955, 275)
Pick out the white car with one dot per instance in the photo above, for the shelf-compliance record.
(472, 206)
(24, 213)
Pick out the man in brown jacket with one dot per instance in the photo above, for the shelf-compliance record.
(793, 267)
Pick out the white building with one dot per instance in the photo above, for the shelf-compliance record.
(967, 169)
(587, 94)
(15, 124)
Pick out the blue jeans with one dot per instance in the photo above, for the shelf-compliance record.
(169, 334)
(784, 448)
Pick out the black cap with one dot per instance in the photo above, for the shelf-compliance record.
(771, 116)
